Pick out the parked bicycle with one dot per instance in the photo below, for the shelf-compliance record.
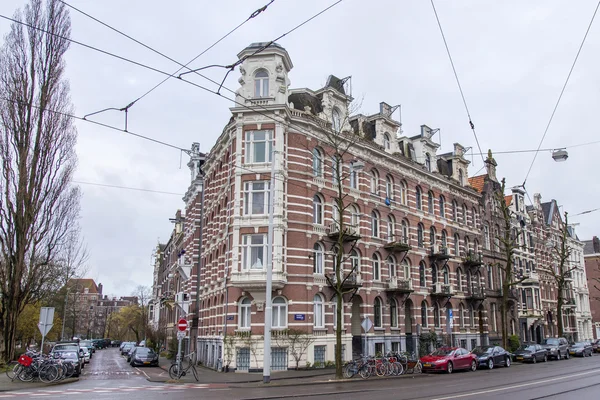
(176, 373)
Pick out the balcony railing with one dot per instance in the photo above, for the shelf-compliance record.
(476, 292)
(439, 252)
(397, 246)
(352, 281)
(472, 259)
(395, 284)
(441, 289)
(349, 232)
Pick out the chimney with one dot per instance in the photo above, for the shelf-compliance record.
(100, 290)
(490, 166)
(537, 201)
(385, 109)
(596, 243)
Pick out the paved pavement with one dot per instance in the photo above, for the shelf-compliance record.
(109, 377)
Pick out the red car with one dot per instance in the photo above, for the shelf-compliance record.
(449, 359)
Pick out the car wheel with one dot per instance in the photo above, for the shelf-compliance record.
(507, 362)
(567, 355)
(491, 364)
(474, 365)
(534, 359)
(449, 368)
(558, 357)
(545, 358)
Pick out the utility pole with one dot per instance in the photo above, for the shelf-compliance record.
(268, 306)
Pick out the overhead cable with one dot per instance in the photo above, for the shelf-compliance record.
(125, 187)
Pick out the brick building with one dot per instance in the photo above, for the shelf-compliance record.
(592, 269)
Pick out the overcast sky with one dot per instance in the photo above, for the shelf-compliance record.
(512, 58)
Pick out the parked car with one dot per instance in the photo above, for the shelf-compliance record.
(127, 348)
(596, 346)
(491, 356)
(90, 345)
(449, 359)
(115, 343)
(531, 353)
(143, 356)
(69, 353)
(98, 343)
(581, 349)
(557, 348)
(87, 355)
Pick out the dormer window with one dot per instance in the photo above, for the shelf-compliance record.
(261, 83)
(336, 120)
(386, 141)
(428, 162)
(461, 179)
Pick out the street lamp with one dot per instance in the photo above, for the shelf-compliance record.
(560, 155)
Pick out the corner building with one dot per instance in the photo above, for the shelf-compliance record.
(415, 218)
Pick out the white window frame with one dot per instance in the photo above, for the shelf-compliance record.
(391, 264)
(375, 224)
(261, 83)
(317, 163)
(393, 313)
(317, 210)
(486, 237)
(279, 313)
(245, 314)
(336, 120)
(252, 143)
(387, 144)
(406, 269)
(318, 259)
(403, 191)
(391, 228)
(249, 197)
(248, 246)
(442, 202)
(353, 177)
(376, 267)
(318, 312)
(374, 182)
(389, 187)
(354, 217)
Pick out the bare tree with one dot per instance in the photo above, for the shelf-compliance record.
(38, 203)
(144, 295)
(297, 342)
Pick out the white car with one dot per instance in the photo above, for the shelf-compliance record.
(86, 354)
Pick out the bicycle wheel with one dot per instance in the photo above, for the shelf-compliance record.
(174, 372)
(48, 373)
(399, 368)
(381, 369)
(348, 370)
(26, 374)
(12, 370)
(195, 373)
(418, 368)
(365, 371)
(69, 369)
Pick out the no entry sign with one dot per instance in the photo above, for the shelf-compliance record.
(182, 325)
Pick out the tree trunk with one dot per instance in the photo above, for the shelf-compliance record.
(559, 312)
(504, 314)
(338, 335)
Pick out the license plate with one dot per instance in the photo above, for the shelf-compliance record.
(146, 362)
(519, 358)
(427, 365)
(571, 352)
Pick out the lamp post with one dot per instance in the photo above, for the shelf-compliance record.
(269, 283)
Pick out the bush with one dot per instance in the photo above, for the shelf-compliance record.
(308, 365)
(318, 364)
(513, 343)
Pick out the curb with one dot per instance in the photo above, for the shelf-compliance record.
(350, 380)
(37, 385)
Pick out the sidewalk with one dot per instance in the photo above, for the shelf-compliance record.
(7, 385)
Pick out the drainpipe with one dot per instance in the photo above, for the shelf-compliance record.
(196, 322)
(226, 305)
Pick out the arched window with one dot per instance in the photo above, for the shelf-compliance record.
(446, 275)
(389, 187)
(375, 224)
(490, 277)
(454, 211)
(461, 178)
(279, 315)
(317, 210)
(391, 265)
(467, 245)
(442, 202)
(261, 83)
(430, 202)
(422, 278)
(393, 313)
(354, 217)
(472, 316)
(406, 269)
(405, 235)
(336, 120)
(465, 215)
(434, 273)
(420, 241)
(497, 238)
(403, 189)
(374, 182)
(318, 312)
(459, 285)
(376, 267)
(476, 246)
(318, 258)
(444, 239)
(419, 195)
(428, 162)
(391, 228)
(377, 313)
(244, 313)
(424, 314)
(353, 176)
(456, 245)
(474, 216)
(355, 261)
(436, 315)
(432, 236)
(461, 315)
(317, 163)
(386, 141)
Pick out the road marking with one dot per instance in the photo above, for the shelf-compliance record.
(516, 386)
(143, 372)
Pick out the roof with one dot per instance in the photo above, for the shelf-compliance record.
(508, 199)
(588, 247)
(477, 182)
(335, 83)
(80, 284)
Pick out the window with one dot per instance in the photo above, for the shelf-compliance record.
(393, 314)
(424, 314)
(456, 245)
(444, 239)
(318, 258)
(391, 228)
(354, 261)
(376, 268)
(389, 187)
(405, 237)
(486, 237)
(375, 224)
(465, 216)
(353, 177)
(354, 216)
(490, 277)
(391, 264)
(454, 211)
(374, 182)
(377, 313)
(497, 238)
(474, 216)
(442, 207)
(420, 235)
(436, 316)
(461, 178)
(494, 321)
(422, 278)
(428, 162)
(259, 146)
(434, 274)
(467, 245)
(476, 246)
(279, 315)
(317, 210)
(256, 198)
(419, 199)
(254, 251)
(261, 83)
(446, 275)
(244, 314)
(319, 320)
(432, 236)
(403, 192)
(335, 213)
(459, 285)
(336, 120)
(430, 203)
(472, 316)
(317, 163)
(461, 315)
(406, 269)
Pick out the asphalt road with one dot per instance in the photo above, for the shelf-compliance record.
(108, 376)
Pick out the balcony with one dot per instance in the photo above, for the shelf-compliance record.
(349, 233)
(439, 253)
(476, 293)
(569, 303)
(397, 247)
(352, 280)
(472, 260)
(257, 279)
(441, 289)
(395, 284)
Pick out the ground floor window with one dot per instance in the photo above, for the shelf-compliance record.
(473, 343)
(463, 343)
(319, 356)
(243, 359)
(396, 346)
(379, 349)
(279, 358)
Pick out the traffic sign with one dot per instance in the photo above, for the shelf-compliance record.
(180, 335)
(182, 325)
(46, 319)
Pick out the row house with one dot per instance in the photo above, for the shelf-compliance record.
(591, 255)
(416, 223)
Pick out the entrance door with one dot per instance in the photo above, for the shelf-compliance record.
(356, 328)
